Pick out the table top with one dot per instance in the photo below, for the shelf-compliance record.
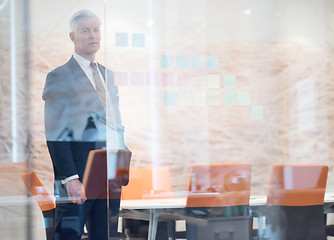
(177, 202)
(180, 202)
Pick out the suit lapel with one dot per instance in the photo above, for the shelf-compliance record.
(82, 79)
(79, 75)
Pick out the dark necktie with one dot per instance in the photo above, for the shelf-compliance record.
(101, 91)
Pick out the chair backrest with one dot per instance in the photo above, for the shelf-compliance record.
(219, 185)
(148, 183)
(297, 185)
(37, 189)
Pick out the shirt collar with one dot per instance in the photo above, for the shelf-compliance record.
(83, 62)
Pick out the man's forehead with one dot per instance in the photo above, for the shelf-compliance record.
(88, 22)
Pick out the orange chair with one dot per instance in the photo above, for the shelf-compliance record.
(295, 202)
(96, 173)
(219, 185)
(147, 183)
(219, 193)
(43, 199)
(37, 189)
(297, 185)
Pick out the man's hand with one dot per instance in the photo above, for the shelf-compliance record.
(76, 191)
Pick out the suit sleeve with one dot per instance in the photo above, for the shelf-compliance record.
(56, 117)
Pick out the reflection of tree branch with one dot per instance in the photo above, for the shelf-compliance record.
(3, 5)
(101, 119)
(67, 133)
(6, 145)
(60, 136)
(28, 148)
(325, 23)
(98, 117)
(7, 148)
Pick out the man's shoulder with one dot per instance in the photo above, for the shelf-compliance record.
(62, 70)
(57, 81)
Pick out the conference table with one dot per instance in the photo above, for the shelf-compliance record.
(152, 209)
(169, 208)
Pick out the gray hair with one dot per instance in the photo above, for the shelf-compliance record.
(78, 15)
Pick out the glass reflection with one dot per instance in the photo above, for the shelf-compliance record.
(219, 195)
(87, 191)
(200, 82)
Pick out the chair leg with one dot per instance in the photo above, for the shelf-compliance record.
(171, 229)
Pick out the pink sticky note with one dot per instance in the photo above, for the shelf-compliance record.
(121, 78)
(138, 78)
(183, 79)
(168, 79)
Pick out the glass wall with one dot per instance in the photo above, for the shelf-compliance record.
(15, 143)
(210, 82)
(201, 85)
(222, 82)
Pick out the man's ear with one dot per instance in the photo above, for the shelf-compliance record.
(72, 36)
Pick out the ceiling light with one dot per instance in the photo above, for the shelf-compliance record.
(247, 12)
(150, 23)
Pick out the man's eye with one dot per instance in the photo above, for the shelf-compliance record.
(96, 30)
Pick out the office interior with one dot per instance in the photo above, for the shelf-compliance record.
(202, 82)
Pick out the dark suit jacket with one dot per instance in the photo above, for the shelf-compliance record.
(69, 100)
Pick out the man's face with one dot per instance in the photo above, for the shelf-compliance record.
(87, 37)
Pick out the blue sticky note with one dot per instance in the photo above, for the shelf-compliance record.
(122, 39)
(167, 61)
(182, 62)
(197, 62)
(212, 62)
(257, 112)
(170, 98)
(229, 81)
(138, 40)
(230, 98)
(243, 98)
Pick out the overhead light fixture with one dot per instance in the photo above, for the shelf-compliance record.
(247, 12)
(150, 23)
